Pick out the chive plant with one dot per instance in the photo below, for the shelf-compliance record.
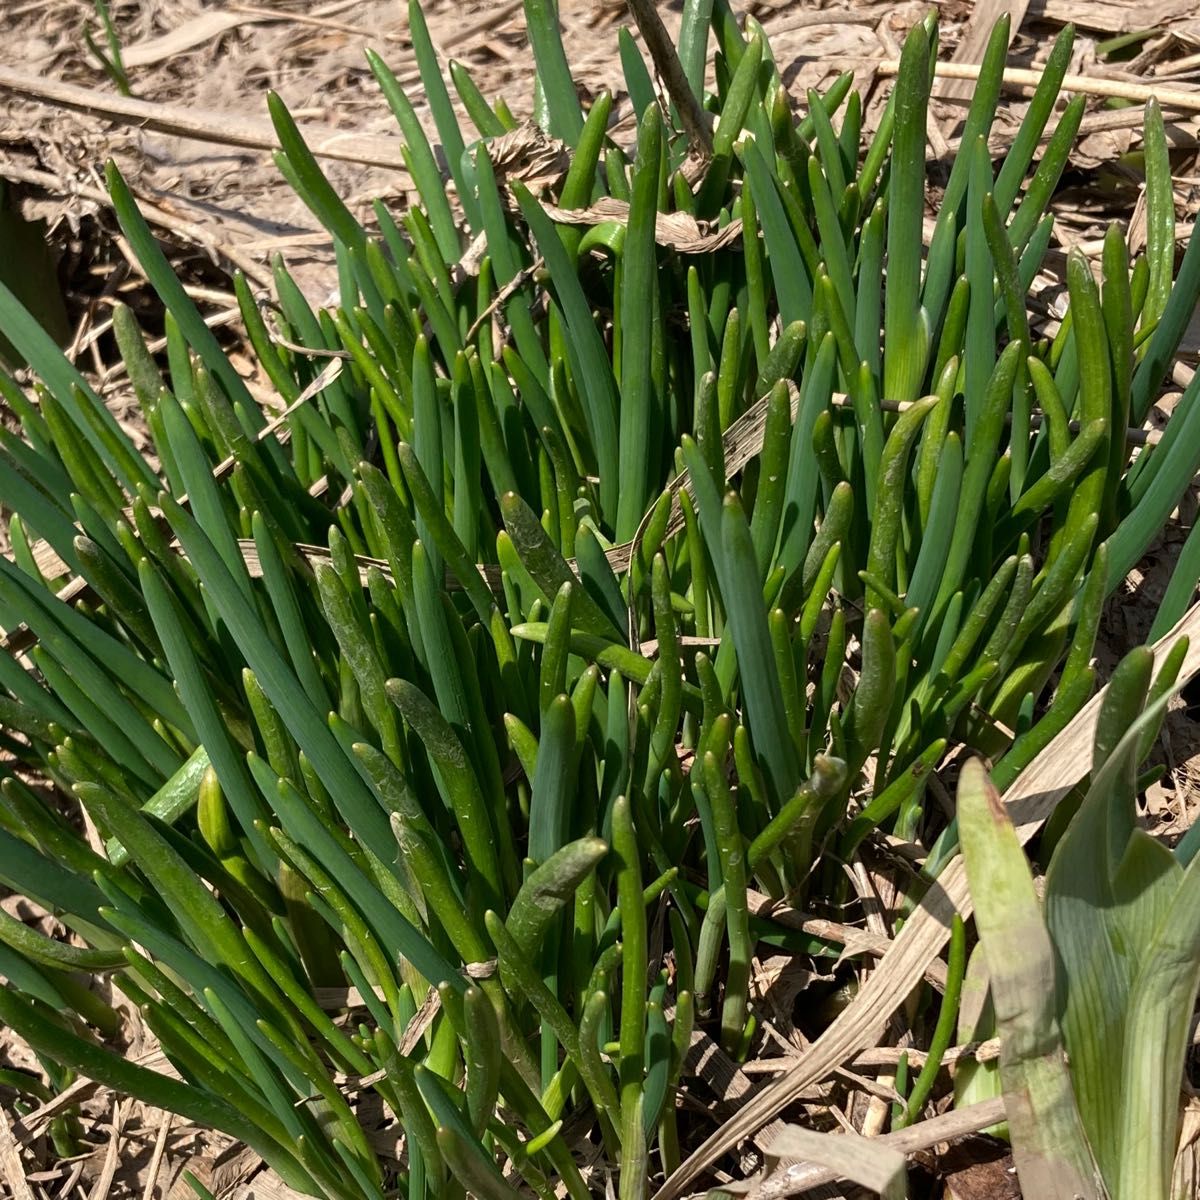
(617, 575)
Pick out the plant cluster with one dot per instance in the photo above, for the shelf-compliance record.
(674, 511)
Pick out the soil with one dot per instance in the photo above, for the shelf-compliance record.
(220, 208)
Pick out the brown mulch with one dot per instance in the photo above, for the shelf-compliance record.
(220, 207)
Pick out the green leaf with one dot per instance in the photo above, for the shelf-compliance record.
(803, 476)
(521, 979)
(1167, 333)
(890, 489)
(755, 660)
(354, 799)
(473, 100)
(1036, 199)
(638, 302)
(693, 41)
(1050, 1146)
(793, 279)
(55, 955)
(459, 783)
(155, 1088)
(1095, 401)
(359, 653)
(552, 71)
(744, 89)
(211, 727)
(549, 805)
(472, 1169)
(1157, 490)
(280, 586)
(905, 337)
(208, 502)
(438, 99)
(1107, 891)
(547, 567)
(772, 482)
(63, 633)
(426, 174)
(311, 831)
(982, 113)
(979, 353)
(631, 1064)
(549, 887)
(72, 391)
(1020, 153)
(980, 461)
(1160, 214)
(170, 290)
(590, 363)
(875, 694)
(638, 83)
(1161, 999)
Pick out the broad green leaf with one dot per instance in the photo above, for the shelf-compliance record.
(1050, 1146)
(1106, 891)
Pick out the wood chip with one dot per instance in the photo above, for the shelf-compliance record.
(680, 231)
(984, 15)
(156, 1159)
(415, 1030)
(11, 1170)
(801, 1177)
(266, 1185)
(205, 27)
(707, 1061)
(1088, 85)
(982, 1178)
(30, 1125)
(223, 128)
(334, 999)
(120, 1111)
(1113, 16)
